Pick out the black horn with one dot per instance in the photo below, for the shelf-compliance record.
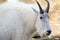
(48, 6)
(41, 11)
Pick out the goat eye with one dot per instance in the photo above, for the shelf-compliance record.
(41, 17)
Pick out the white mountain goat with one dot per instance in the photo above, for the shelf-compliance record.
(18, 21)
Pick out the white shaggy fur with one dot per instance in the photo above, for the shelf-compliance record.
(17, 21)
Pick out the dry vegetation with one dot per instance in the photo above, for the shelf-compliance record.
(54, 16)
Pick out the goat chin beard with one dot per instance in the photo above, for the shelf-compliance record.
(43, 36)
(36, 35)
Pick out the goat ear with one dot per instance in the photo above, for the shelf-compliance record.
(35, 10)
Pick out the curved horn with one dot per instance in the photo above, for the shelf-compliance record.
(48, 6)
(39, 7)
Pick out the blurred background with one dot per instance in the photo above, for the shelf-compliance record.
(54, 15)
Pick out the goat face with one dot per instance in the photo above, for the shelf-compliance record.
(42, 21)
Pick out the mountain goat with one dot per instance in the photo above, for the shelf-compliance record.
(18, 21)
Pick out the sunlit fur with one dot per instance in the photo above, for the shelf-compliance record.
(18, 21)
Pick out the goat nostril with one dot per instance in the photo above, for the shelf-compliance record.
(48, 32)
